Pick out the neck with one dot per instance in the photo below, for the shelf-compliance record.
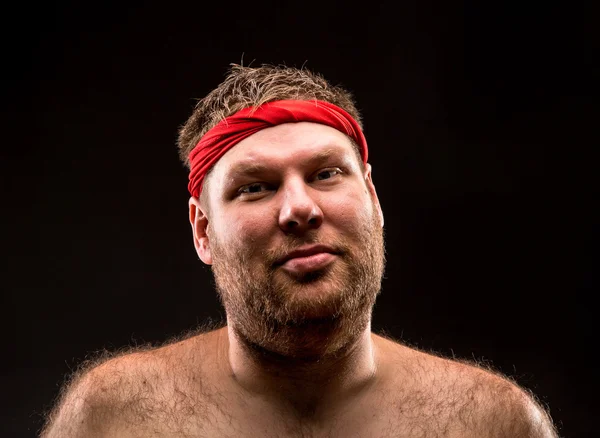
(305, 384)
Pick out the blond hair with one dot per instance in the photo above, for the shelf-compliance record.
(246, 87)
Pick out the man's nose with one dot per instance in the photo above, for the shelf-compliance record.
(299, 212)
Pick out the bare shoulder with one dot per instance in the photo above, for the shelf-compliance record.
(494, 405)
(117, 396)
(90, 404)
(470, 400)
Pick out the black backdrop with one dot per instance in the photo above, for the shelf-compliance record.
(481, 125)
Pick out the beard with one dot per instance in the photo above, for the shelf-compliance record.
(310, 316)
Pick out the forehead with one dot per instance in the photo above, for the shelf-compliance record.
(286, 144)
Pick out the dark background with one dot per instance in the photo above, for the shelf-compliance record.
(481, 122)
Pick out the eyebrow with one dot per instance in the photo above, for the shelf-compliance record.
(253, 168)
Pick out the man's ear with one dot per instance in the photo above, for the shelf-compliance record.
(373, 193)
(199, 223)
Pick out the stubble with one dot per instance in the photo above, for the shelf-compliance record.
(315, 315)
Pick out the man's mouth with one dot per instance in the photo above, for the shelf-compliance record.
(307, 259)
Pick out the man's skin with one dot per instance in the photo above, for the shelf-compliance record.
(297, 357)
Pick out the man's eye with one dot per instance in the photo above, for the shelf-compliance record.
(252, 188)
(328, 173)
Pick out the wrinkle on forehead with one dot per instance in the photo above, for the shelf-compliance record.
(253, 164)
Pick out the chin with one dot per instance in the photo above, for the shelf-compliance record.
(314, 296)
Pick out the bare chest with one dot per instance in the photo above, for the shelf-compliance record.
(216, 413)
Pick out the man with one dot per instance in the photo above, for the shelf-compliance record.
(284, 210)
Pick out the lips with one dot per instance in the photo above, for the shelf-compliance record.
(307, 259)
(306, 251)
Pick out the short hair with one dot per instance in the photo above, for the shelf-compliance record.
(246, 87)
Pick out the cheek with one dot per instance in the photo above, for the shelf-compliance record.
(244, 228)
(352, 211)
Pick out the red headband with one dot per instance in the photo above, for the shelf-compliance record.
(229, 132)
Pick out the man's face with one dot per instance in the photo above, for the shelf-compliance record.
(294, 190)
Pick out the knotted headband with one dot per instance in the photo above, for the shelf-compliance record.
(230, 131)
